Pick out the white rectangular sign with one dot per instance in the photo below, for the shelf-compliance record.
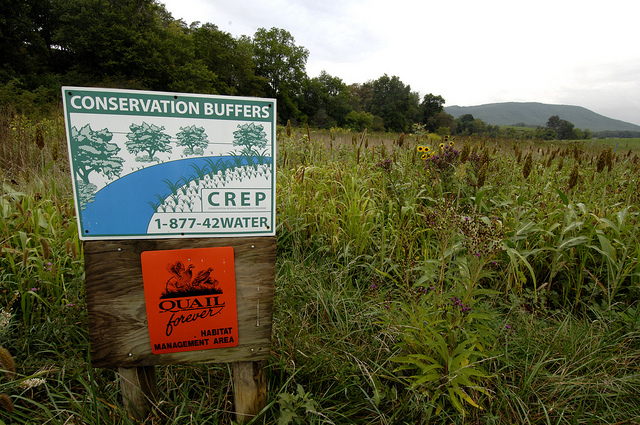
(167, 165)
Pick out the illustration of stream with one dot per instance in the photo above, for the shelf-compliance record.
(123, 207)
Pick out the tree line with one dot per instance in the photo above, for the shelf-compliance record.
(138, 44)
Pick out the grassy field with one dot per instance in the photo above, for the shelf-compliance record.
(493, 282)
(623, 145)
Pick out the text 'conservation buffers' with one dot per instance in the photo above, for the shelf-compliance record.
(194, 108)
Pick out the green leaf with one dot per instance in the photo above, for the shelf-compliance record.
(441, 346)
(621, 217)
(473, 371)
(417, 364)
(526, 227)
(466, 398)
(404, 367)
(569, 243)
(286, 417)
(462, 347)
(455, 402)
(608, 223)
(513, 253)
(607, 249)
(480, 315)
(424, 357)
(433, 377)
(564, 198)
(484, 291)
(574, 225)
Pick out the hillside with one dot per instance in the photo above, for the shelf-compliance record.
(533, 113)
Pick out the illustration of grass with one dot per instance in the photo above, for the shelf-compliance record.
(173, 187)
(200, 173)
(185, 193)
(156, 205)
(262, 158)
(213, 166)
(238, 158)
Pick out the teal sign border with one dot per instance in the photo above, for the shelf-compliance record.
(141, 160)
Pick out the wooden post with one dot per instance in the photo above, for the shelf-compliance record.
(139, 389)
(249, 389)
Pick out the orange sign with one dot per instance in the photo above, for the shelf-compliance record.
(191, 299)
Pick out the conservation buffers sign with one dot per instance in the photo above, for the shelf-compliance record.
(169, 165)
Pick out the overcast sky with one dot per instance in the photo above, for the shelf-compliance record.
(471, 52)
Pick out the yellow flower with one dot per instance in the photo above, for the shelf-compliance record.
(420, 148)
(441, 145)
(451, 143)
(425, 156)
(427, 149)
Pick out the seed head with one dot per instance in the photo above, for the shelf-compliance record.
(609, 159)
(573, 177)
(7, 363)
(55, 150)
(528, 163)
(482, 175)
(602, 161)
(39, 137)
(401, 140)
(576, 153)
(5, 401)
(465, 153)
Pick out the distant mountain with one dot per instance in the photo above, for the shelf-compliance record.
(537, 114)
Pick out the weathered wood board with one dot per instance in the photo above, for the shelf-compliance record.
(118, 328)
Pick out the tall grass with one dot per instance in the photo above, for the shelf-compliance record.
(407, 290)
(570, 371)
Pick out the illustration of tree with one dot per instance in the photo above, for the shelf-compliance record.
(194, 139)
(147, 138)
(93, 152)
(249, 136)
